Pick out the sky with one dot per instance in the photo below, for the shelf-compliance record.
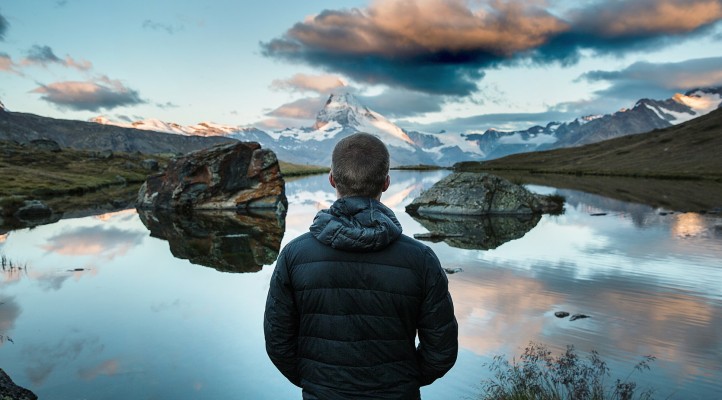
(430, 65)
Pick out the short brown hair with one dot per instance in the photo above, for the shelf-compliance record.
(360, 165)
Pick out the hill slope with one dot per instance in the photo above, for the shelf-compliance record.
(690, 150)
(22, 128)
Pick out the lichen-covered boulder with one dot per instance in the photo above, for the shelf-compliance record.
(469, 193)
(237, 176)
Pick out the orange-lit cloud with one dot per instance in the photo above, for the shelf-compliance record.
(96, 241)
(102, 93)
(443, 46)
(322, 84)
(108, 367)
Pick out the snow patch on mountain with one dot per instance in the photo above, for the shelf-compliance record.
(700, 103)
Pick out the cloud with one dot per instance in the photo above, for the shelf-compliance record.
(44, 55)
(158, 26)
(166, 105)
(501, 121)
(395, 103)
(444, 46)
(321, 84)
(8, 65)
(658, 80)
(305, 108)
(3, 27)
(94, 241)
(103, 93)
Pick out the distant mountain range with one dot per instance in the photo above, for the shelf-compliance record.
(343, 115)
(690, 150)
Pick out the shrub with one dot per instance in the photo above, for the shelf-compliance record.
(538, 375)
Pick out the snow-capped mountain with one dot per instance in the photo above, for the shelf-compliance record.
(646, 115)
(343, 115)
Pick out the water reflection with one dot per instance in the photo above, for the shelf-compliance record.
(478, 232)
(224, 240)
(137, 322)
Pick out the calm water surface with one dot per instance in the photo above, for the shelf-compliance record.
(110, 307)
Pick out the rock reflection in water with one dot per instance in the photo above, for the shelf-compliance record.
(477, 232)
(224, 240)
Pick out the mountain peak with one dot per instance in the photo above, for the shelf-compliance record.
(345, 109)
(2, 106)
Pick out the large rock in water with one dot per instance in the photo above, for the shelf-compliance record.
(10, 391)
(239, 176)
(469, 193)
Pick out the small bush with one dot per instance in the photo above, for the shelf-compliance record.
(540, 376)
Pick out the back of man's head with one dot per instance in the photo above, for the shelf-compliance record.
(360, 165)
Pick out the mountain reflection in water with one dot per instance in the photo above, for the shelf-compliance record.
(225, 240)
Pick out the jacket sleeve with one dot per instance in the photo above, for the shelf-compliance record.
(280, 323)
(437, 328)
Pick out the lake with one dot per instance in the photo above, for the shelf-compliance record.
(142, 306)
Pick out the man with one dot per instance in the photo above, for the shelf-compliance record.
(347, 298)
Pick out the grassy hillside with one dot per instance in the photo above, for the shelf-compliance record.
(692, 150)
(289, 169)
(74, 180)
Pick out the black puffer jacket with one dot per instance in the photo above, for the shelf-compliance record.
(346, 301)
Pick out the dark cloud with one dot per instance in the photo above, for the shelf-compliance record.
(444, 46)
(44, 55)
(89, 95)
(3, 27)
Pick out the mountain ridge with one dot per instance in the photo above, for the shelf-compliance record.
(343, 115)
(689, 150)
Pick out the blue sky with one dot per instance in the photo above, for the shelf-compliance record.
(430, 64)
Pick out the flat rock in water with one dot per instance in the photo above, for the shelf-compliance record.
(578, 316)
(468, 193)
(561, 314)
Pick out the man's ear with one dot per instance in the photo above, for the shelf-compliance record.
(387, 182)
(331, 181)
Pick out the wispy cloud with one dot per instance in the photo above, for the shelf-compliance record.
(159, 26)
(645, 79)
(44, 55)
(102, 93)
(8, 65)
(166, 105)
(305, 108)
(501, 121)
(321, 84)
(444, 46)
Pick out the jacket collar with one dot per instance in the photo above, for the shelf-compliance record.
(356, 224)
